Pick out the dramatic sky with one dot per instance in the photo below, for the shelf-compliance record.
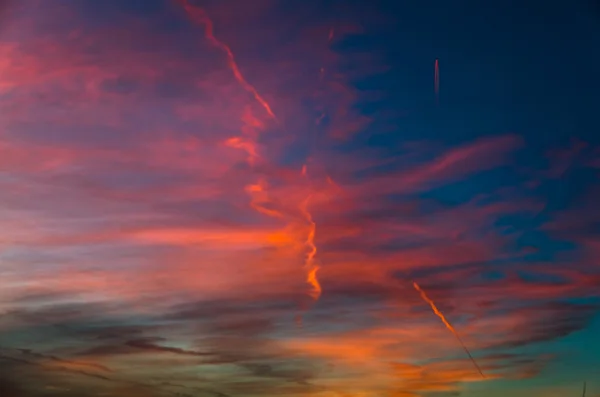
(233, 198)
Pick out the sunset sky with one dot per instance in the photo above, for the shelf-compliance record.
(233, 198)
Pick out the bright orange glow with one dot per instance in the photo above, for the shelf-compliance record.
(213, 237)
(309, 264)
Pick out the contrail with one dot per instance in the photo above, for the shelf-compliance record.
(436, 82)
(198, 15)
(311, 268)
(259, 191)
(447, 324)
(309, 265)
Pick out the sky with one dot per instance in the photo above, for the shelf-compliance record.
(275, 198)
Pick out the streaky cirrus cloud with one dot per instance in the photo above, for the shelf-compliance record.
(161, 183)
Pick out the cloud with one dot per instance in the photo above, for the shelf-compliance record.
(154, 237)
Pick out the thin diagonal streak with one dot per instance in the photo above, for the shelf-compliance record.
(198, 15)
(447, 324)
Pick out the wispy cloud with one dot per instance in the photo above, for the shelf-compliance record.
(156, 229)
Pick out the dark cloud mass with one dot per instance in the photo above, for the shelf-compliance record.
(233, 198)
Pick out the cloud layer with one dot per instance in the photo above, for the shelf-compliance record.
(194, 203)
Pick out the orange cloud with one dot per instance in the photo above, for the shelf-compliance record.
(156, 236)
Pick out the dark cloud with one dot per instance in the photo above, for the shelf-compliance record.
(28, 352)
(148, 345)
(553, 321)
(9, 386)
(157, 218)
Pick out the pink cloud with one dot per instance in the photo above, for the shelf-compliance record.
(151, 192)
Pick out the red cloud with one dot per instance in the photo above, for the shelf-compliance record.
(150, 192)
